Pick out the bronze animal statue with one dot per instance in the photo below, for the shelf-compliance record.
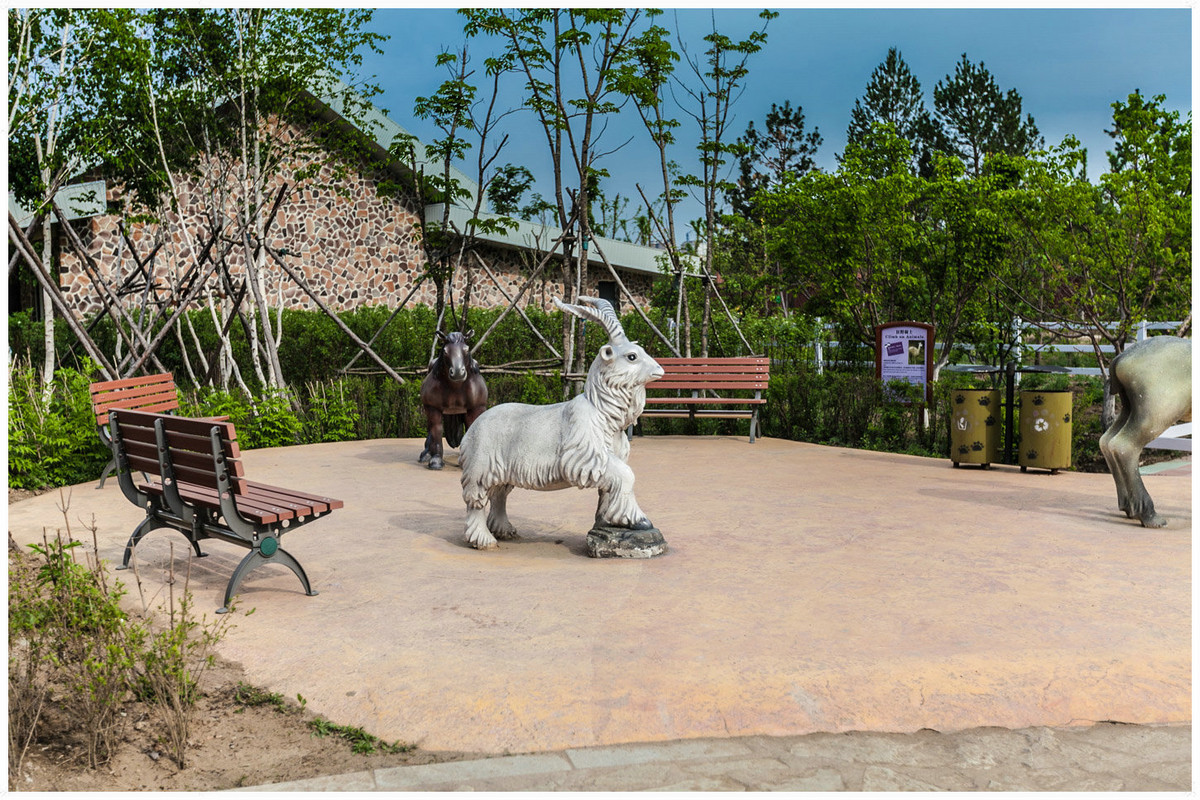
(453, 394)
(1153, 380)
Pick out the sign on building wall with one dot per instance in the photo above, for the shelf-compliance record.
(904, 352)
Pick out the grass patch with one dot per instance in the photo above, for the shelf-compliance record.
(360, 741)
(248, 696)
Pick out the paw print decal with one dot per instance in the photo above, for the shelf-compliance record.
(1066, 417)
(959, 399)
(962, 450)
(1038, 400)
(985, 401)
(977, 446)
(990, 420)
(1031, 455)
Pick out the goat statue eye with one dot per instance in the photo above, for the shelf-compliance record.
(632, 356)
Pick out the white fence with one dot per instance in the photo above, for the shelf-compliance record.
(1172, 439)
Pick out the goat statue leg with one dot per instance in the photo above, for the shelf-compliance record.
(617, 505)
(497, 518)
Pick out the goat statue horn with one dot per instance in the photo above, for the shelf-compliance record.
(597, 310)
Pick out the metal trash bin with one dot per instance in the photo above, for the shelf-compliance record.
(1045, 429)
(975, 426)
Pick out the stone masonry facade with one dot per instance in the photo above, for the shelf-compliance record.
(353, 246)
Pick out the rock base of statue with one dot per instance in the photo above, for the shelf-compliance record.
(604, 541)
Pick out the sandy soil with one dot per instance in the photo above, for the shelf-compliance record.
(234, 743)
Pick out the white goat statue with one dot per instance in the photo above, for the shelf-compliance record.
(578, 443)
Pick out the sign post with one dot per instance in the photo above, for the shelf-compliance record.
(904, 352)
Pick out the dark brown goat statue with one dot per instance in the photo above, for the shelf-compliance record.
(453, 395)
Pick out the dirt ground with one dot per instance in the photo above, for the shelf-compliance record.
(234, 743)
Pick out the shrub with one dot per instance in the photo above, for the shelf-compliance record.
(66, 628)
(52, 437)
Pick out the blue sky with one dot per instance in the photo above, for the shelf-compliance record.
(1068, 64)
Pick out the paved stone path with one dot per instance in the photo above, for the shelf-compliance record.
(1102, 758)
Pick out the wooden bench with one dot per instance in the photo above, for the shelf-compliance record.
(702, 387)
(146, 393)
(196, 485)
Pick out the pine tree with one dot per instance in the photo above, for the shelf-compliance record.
(893, 96)
(978, 119)
(766, 158)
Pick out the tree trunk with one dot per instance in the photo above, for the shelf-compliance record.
(48, 305)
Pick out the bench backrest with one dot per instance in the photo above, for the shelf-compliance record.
(147, 393)
(189, 442)
(749, 372)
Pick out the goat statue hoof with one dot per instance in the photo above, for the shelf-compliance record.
(421, 459)
(435, 462)
(607, 541)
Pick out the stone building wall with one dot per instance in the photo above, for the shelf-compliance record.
(353, 247)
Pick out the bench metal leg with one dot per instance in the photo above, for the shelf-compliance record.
(151, 524)
(753, 425)
(147, 525)
(109, 469)
(255, 559)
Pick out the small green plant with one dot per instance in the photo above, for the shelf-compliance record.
(248, 696)
(331, 416)
(175, 659)
(360, 741)
(67, 631)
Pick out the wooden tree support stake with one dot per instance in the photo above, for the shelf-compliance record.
(17, 235)
(337, 320)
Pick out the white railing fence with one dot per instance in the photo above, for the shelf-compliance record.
(1172, 439)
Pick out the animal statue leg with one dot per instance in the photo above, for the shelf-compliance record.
(433, 441)
(475, 495)
(1116, 466)
(497, 519)
(1127, 446)
(1153, 381)
(617, 506)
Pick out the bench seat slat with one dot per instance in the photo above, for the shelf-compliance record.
(158, 403)
(666, 401)
(717, 361)
(685, 413)
(700, 386)
(707, 385)
(121, 383)
(261, 503)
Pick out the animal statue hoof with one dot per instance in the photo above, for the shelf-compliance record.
(1155, 521)
(436, 462)
(421, 459)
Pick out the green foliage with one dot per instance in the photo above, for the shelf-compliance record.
(360, 741)
(174, 660)
(52, 438)
(268, 420)
(330, 416)
(248, 696)
(66, 628)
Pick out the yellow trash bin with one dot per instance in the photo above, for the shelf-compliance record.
(975, 426)
(1045, 429)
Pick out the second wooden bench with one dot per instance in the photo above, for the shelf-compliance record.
(710, 387)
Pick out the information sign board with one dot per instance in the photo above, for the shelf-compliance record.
(904, 352)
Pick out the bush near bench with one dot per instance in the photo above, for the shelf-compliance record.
(52, 441)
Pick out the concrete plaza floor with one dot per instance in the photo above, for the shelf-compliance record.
(805, 589)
